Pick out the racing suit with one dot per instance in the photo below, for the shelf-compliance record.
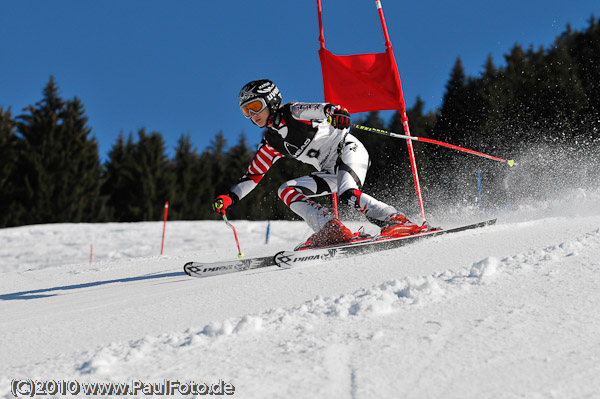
(302, 131)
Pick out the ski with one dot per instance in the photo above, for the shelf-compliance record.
(289, 259)
(199, 269)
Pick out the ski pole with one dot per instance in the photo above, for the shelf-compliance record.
(237, 241)
(509, 162)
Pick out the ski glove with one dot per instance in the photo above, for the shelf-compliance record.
(221, 203)
(338, 117)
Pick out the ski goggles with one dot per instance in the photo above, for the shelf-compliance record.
(252, 107)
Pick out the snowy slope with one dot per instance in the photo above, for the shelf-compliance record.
(503, 312)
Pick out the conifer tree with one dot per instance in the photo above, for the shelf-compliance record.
(12, 209)
(204, 208)
(216, 150)
(421, 125)
(452, 116)
(119, 178)
(494, 124)
(156, 176)
(193, 192)
(237, 160)
(139, 178)
(450, 124)
(563, 99)
(517, 82)
(584, 48)
(59, 164)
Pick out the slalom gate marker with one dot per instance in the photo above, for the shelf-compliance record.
(268, 232)
(162, 245)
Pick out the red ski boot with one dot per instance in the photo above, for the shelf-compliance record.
(398, 225)
(334, 232)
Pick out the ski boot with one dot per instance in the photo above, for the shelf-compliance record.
(397, 225)
(334, 232)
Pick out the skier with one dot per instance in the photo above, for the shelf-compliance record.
(316, 134)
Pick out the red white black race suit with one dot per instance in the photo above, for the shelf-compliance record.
(301, 131)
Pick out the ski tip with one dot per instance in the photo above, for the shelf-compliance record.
(185, 268)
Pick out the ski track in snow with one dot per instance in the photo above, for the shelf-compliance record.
(503, 312)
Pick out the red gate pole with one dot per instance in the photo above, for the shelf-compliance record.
(162, 246)
(413, 162)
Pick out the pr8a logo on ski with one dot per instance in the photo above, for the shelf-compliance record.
(287, 260)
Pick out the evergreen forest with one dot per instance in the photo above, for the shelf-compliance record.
(541, 107)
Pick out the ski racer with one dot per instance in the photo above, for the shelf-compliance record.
(316, 134)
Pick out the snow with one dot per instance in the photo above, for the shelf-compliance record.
(507, 311)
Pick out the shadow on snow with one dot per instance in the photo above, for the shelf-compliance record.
(48, 292)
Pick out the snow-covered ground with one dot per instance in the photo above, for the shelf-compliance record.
(509, 311)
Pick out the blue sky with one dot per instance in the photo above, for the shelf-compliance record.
(176, 67)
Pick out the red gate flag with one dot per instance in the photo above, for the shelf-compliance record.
(361, 82)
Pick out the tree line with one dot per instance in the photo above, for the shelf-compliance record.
(542, 99)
